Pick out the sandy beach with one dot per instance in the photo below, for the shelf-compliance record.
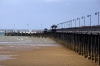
(46, 53)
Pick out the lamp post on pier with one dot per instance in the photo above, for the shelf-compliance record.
(97, 13)
(14, 26)
(79, 21)
(61, 25)
(84, 19)
(75, 21)
(71, 23)
(90, 18)
(64, 24)
(27, 26)
(41, 28)
(58, 26)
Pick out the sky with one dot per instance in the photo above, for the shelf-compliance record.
(40, 14)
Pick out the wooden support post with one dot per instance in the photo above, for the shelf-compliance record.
(74, 42)
(95, 50)
(77, 44)
(91, 46)
(98, 49)
(67, 40)
(81, 44)
(86, 49)
(64, 39)
(84, 44)
(70, 41)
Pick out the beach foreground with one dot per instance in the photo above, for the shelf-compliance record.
(40, 55)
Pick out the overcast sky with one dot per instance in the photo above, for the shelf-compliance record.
(40, 14)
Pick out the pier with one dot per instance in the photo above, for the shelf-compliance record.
(83, 40)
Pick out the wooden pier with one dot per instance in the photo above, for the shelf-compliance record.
(83, 40)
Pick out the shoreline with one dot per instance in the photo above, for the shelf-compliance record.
(42, 52)
(45, 56)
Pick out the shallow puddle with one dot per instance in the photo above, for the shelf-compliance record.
(6, 57)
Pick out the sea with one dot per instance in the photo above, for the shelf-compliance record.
(21, 43)
(2, 33)
(26, 40)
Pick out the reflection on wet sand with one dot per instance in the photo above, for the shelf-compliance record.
(37, 52)
(10, 44)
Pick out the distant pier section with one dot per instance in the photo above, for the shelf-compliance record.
(35, 33)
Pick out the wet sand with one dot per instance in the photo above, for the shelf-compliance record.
(41, 55)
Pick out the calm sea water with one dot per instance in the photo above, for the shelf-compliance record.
(22, 43)
(22, 40)
(1, 33)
